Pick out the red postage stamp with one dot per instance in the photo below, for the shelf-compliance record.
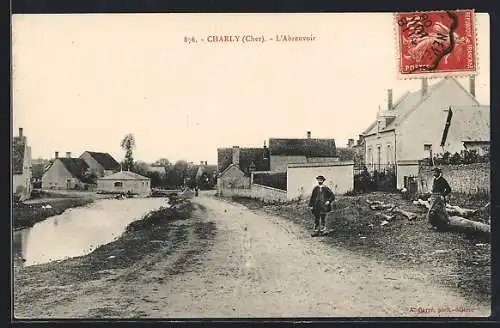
(436, 43)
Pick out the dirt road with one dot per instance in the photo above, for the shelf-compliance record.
(256, 266)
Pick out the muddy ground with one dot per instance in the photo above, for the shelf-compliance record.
(453, 259)
(212, 258)
(37, 289)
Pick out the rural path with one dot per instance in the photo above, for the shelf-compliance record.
(264, 266)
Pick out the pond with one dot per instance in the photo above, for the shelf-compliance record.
(79, 231)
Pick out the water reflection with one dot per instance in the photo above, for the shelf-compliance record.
(79, 231)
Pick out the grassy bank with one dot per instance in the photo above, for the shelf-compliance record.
(455, 260)
(162, 243)
(26, 215)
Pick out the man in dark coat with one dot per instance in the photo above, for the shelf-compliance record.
(320, 204)
(437, 215)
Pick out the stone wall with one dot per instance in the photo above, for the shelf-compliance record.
(469, 179)
(255, 191)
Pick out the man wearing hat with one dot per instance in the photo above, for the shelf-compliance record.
(437, 215)
(320, 204)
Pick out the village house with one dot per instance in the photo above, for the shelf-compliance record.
(413, 127)
(206, 175)
(100, 164)
(66, 173)
(21, 166)
(236, 164)
(125, 182)
(284, 151)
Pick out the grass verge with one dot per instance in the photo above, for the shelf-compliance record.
(455, 260)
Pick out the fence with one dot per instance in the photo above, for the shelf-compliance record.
(374, 177)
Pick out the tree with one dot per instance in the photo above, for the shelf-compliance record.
(141, 168)
(177, 173)
(128, 145)
(162, 162)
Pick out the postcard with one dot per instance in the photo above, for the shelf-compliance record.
(328, 165)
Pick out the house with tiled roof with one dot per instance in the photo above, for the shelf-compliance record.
(284, 151)
(67, 173)
(21, 166)
(413, 127)
(247, 159)
(125, 182)
(101, 164)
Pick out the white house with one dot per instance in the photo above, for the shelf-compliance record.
(123, 182)
(412, 128)
(21, 166)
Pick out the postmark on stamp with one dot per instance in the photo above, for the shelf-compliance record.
(436, 43)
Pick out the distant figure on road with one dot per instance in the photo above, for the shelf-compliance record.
(320, 204)
(196, 190)
(437, 215)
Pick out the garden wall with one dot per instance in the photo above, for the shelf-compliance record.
(468, 178)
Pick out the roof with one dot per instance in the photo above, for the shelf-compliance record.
(37, 170)
(76, 166)
(406, 105)
(247, 157)
(105, 160)
(124, 175)
(302, 147)
(18, 147)
(470, 123)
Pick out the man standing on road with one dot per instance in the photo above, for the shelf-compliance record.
(437, 215)
(320, 204)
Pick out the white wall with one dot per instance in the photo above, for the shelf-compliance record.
(141, 187)
(387, 149)
(301, 179)
(425, 125)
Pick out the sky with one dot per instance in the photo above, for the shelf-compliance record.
(82, 82)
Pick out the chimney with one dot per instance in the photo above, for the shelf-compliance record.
(308, 134)
(56, 154)
(389, 99)
(21, 132)
(425, 87)
(472, 85)
(68, 154)
(236, 155)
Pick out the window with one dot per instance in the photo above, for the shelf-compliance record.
(378, 155)
(428, 149)
(370, 156)
(118, 184)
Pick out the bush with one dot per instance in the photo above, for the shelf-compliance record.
(464, 157)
